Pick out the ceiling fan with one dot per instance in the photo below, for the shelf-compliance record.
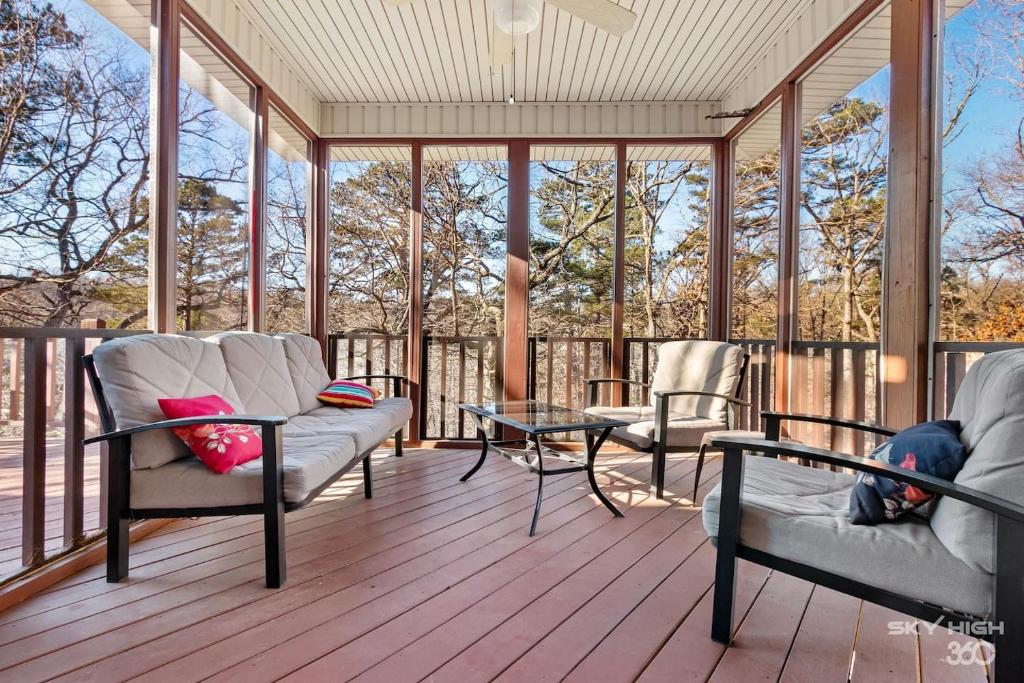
(514, 18)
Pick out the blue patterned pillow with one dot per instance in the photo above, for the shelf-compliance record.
(931, 448)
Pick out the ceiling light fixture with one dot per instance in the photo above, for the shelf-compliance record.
(517, 17)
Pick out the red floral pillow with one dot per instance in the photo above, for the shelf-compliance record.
(219, 446)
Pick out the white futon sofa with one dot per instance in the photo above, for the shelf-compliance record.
(272, 383)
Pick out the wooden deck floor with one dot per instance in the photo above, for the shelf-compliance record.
(437, 580)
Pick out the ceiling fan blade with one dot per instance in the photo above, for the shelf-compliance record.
(604, 14)
(501, 46)
(397, 3)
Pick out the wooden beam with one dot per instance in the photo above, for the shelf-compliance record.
(909, 236)
(414, 371)
(618, 362)
(318, 248)
(163, 164)
(517, 271)
(720, 241)
(789, 244)
(258, 212)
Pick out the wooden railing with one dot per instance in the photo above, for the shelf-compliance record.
(952, 359)
(52, 489)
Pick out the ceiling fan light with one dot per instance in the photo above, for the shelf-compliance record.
(516, 17)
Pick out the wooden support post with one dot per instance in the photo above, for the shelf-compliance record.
(318, 247)
(789, 244)
(33, 495)
(416, 360)
(907, 258)
(258, 212)
(517, 270)
(720, 241)
(163, 164)
(618, 361)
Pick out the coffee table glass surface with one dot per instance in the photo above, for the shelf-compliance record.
(537, 417)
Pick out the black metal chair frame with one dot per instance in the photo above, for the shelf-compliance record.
(659, 447)
(120, 514)
(1004, 628)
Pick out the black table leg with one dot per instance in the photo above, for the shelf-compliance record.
(484, 445)
(592, 448)
(540, 484)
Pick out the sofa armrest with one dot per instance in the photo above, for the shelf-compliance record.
(734, 447)
(398, 381)
(254, 420)
(773, 421)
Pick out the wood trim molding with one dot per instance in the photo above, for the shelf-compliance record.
(554, 119)
(852, 21)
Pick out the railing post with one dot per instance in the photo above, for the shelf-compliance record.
(74, 433)
(33, 501)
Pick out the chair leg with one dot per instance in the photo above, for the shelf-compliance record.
(118, 456)
(700, 465)
(658, 471)
(1008, 634)
(398, 443)
(367, 478)
(273, 508)
(728, 541)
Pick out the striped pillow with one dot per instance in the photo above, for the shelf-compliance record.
(348, 394)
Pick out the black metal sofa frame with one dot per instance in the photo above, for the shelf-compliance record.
(120, 514)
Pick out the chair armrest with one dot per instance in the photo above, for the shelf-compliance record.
(735, 445)
(254, 420)
(397, 381)
(592, 382)
(684, 392)
(615, 380)
(777, 417)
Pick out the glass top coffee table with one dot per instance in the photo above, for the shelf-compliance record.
(536, 419)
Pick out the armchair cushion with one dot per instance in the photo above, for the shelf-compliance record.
(698, 366)
(684, 431)
(136, 371)
(990, 408)
(308, 461)
(306, 367)
(800, 514)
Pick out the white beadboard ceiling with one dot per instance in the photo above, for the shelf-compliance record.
(437, 51)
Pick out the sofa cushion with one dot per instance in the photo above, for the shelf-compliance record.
(308, 464)
(218, 446)
(698, 366)
(800, 514)
(306, 367)
(684, 431)
(367, 427)
(990, 408)
(136, 371)
(931, 448)
(259, 370)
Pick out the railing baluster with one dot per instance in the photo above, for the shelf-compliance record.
(818, 393)
(859, 398)
(836, 398)
(351, 357)
(956, 368)
(74, 433)
(549, 360)
(14, 397)
(387, 364)
(33, 491)
(645, 364)
(462, 388)
(444, 389)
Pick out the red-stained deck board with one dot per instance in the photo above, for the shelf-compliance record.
(434, 579)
